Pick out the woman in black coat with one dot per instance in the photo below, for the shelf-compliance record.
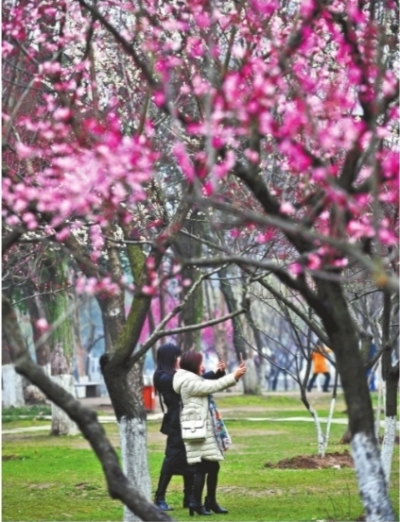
(175, 463)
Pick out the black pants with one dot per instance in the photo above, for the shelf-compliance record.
(326, 383)
(208, 471)
(325, 388)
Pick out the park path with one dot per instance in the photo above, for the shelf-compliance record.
(103, 404)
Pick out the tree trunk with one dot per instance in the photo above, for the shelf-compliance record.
(193, 312)
(12, 394)
(390, 375)
(250, 378)
(126, 395)
(61, 373)
(389, 438)
(61, 424)
(36, 312)
(344, 342)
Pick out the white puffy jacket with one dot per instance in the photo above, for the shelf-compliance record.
(194, 389)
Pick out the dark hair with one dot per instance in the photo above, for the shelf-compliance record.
(191, 361)
(167, 355)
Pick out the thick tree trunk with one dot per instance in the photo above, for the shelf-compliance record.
(344, 342)
(133, 433)
(126, 396)
(390, 376)
(389, 439)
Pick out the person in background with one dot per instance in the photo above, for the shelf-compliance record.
(370, 372)
(194, 389)
(175, 463)
(320, 365)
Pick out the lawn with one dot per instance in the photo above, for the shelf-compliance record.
(59, 479)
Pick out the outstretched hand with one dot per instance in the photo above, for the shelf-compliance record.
(221, 366)
(240, 371)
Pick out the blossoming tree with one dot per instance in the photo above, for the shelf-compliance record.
(276, 119)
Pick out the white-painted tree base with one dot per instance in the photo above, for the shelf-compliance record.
(371, 479)
(12, 393)
(61, 424)
(320, 435)
(133, 433)
(388, 446)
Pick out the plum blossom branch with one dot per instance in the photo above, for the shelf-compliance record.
(124, 43)
(376, 266)
(159, 332)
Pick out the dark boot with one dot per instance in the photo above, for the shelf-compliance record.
(195, 505)
(187, 489)
(159, 499)
(212, 505)
(212, 481)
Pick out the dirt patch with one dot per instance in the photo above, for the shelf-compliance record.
(331, 460)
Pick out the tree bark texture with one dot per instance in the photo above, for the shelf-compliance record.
(371, 479)
(188, 248)
(133, 434)
(344, 342)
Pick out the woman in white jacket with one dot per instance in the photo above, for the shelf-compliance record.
(195, 390)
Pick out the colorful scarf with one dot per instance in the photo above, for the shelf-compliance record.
(220, 431)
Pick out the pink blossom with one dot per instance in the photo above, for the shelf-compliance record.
(149, 290)
(42, 325)
(62, 235)
(265, 237)
(62, 113)
(313, 262)
(287, 208)
(159, 98)
(307, 7)
(387, 237)
(24, 151)
(295, 269)
(341, 263)
(252, 155)
(319, 174)
(184, 162)
(208, 188)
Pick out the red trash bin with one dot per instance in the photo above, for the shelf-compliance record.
(149, 398)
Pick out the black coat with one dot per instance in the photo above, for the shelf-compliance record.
(175, 455)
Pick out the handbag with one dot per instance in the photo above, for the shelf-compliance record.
(193, 424)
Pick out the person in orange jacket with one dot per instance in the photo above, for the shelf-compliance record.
(320, 365)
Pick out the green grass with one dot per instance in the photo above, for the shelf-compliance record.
(13, 414)
(59, 479)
